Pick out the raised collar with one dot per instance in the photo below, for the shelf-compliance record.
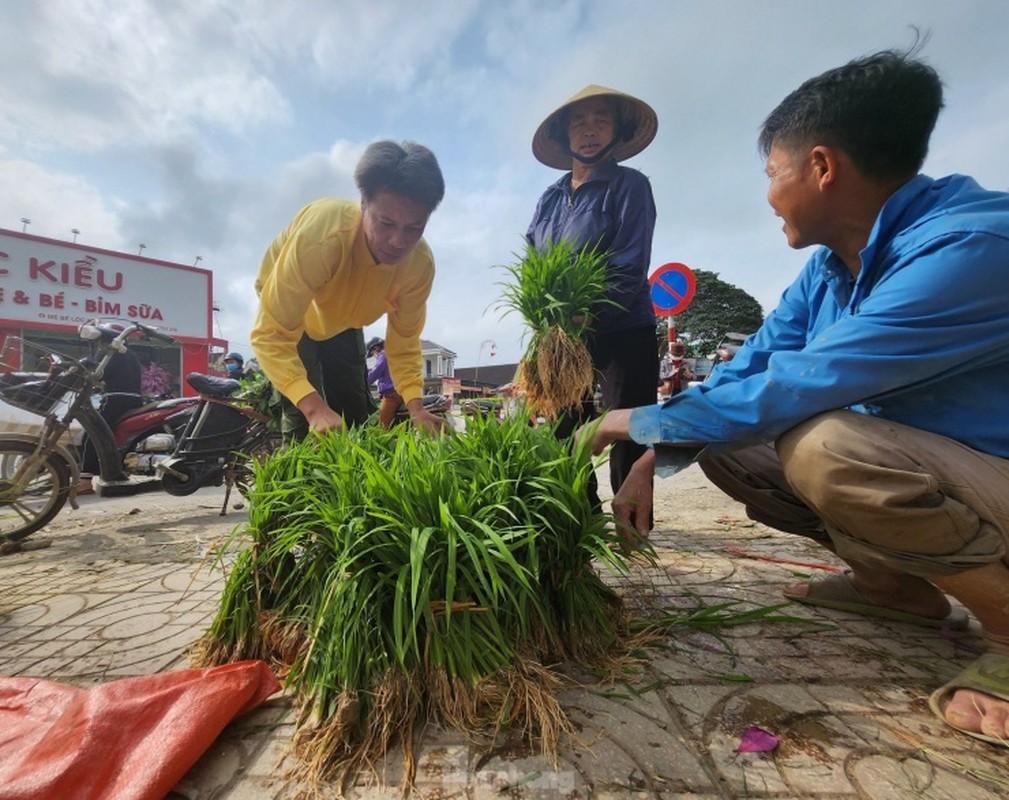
(606, 172)
(889, 220)
(892, 216)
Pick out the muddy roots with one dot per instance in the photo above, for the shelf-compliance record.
(556, 373)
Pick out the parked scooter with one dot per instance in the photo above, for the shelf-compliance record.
(439, 404)
(39, 472)
(222, 438)
(226, 434)
(729, 346)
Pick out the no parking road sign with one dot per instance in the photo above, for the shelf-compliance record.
(672, 288)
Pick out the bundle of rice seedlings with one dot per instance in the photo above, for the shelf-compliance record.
(258, 392)
(556, 292)
(396, 579)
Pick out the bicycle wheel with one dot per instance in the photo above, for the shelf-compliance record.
(41, 499)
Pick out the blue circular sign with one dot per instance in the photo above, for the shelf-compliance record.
(672, 288)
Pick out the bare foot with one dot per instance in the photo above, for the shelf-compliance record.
(973, 711)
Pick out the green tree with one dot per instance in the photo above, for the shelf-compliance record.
(717, 308)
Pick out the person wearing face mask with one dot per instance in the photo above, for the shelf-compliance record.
(379, 374)
(234, 363)
(340, 265)
(599, 203)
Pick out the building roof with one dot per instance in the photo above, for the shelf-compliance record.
(492, 374)
(426, 346)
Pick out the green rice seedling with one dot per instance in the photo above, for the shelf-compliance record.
(393, 578)
(557, 292)
(258, 392)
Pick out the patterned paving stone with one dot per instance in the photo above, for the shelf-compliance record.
(117, 595)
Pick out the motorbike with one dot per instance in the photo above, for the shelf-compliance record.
(222, 438)
(729, 346)
(228, 432)
(480, 407)
(434, 403)
(40, 470)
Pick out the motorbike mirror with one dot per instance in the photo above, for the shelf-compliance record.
(90, 331)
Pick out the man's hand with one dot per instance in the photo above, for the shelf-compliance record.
(425, 420)
(613, 427)
(319, 415)
(632, 504)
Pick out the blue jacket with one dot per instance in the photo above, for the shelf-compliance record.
(920, 338)
(613, 210)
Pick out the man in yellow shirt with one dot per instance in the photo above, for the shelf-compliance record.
(340, 265)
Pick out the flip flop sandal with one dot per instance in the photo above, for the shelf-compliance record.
(988, 675)
(837, 591)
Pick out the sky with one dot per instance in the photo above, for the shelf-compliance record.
(200, 127)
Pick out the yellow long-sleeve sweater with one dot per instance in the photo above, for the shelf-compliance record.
(319, 278)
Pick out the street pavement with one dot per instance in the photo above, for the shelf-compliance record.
(125, 585)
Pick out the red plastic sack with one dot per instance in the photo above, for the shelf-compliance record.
(134, 738)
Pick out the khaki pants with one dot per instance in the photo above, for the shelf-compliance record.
(882, 493)
(387, 409)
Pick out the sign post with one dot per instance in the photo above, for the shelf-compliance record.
(672, 288)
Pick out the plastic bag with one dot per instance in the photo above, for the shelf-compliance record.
(133, 738)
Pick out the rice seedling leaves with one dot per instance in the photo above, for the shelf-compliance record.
(392, 576)
(557, 291)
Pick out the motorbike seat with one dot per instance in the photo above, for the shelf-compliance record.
(432, 402)
(212, 385)
(151, 405)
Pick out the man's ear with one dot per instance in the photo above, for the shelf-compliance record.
(824, 162)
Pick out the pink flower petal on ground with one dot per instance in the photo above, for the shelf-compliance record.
(757, 740)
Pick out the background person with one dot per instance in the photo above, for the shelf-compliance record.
(234, 365)
(686, 375)
(598, 203)
(878, 385)
(390, 399)
(340, 265)
(673, 371)
(122, 393)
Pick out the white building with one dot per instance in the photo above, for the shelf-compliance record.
(439, 363)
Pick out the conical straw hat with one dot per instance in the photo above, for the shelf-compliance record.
(638, 123)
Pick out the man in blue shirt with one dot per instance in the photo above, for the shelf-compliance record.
(868, 412)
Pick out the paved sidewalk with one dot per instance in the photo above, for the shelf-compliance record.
(123, 589)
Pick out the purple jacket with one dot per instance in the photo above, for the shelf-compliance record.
(380, 373)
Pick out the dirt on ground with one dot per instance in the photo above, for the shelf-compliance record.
(146, 528)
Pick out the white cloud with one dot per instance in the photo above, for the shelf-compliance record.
(44, 196)
(372, 47)
(95, 73)
(201, 126)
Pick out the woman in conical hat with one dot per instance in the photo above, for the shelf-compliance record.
(636, 125)
(598, 202)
